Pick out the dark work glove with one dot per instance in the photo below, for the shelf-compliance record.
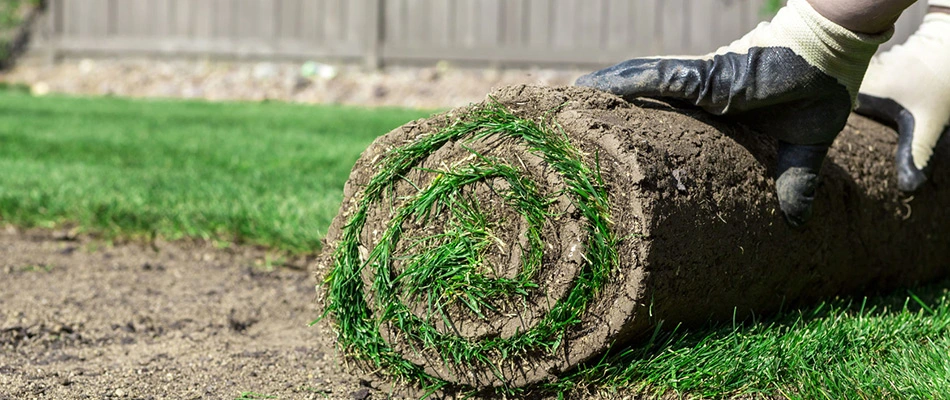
(795, 78)
(909, 86)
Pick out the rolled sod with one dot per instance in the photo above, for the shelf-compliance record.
(505, 243)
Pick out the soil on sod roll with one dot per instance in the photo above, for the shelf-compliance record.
(507, 242)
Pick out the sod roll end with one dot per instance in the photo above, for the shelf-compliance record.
(505, 243)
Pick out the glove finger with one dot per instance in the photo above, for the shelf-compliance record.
(732, 83)
(797, 182)
(909, 177)
(682, 79)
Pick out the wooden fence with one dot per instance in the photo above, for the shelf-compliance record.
(494, 32)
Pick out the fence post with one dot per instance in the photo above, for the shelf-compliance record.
(373, 28)
(52, 38)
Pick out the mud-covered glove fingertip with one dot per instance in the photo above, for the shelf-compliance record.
(796, 194)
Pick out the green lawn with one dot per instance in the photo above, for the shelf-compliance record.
(272, 174)
(269, 174)
(887, 347)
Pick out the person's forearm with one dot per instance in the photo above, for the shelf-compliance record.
(863, 16)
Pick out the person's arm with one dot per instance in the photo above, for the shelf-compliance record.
(795, 78)
(864, 16)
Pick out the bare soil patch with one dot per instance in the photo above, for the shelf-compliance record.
(80, 318)
(438, 86)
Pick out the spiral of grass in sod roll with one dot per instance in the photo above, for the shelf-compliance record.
(449, 267)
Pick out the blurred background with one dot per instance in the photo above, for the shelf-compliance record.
(414, 53)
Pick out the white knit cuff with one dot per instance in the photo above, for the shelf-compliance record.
(835, 50)
(940, 3)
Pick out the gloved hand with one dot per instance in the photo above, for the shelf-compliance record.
(795, 78)
(910, 87)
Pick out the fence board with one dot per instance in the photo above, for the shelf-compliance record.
(202, 19)
(752, 13)
(731, 26)
(98, 13)
(85, 21)
(539, 24)
(393, 23)
(488, 31)
(334, 20)
(699, 19)
(56, 20)
(75, 17)
(123, 18)
(440, 21)
(269, 11)
(674, 29)
(514, 25)
(487, 22)
(312, 21)
(618, 24)
(76, 20)
(563, 28)
(588, 23)
(648, 32)
(243, 22)
(289, 19)
(419, 33)
(222, 18)
(160, 18)
(182, 18)
(465, 14)
(142, 18)
(356, 15)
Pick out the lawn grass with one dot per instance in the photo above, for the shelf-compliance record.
(269, 174)
(895, 346)
(272, 174)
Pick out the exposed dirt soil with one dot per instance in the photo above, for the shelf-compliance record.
(81, 318)
(438, 86)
